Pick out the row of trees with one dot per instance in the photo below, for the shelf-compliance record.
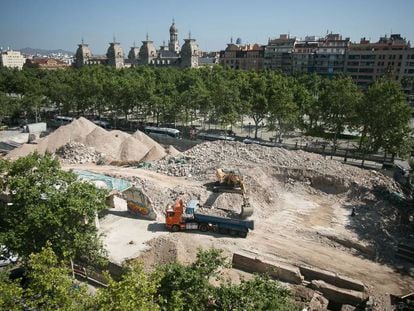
(174, 287)
(47, 217)
(169, 95)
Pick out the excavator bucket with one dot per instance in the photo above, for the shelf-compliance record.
(246, 210)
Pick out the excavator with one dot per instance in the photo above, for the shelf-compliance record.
(232, 181)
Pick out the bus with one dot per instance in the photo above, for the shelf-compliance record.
(63, 120)
(174, 133)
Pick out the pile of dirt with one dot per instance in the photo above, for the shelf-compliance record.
(74, 152)
(326, 175)
(117, 146)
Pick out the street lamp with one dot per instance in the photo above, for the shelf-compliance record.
(249, 128)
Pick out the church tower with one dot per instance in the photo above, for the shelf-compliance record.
(83, 54)
(173, 45)
(190, 53)
(147, 52)
(115, 55)
(133, 55)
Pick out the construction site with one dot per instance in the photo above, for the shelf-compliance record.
(330, 231)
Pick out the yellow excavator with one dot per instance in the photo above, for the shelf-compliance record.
(232, 181)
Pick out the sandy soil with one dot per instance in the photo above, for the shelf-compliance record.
(294, 222)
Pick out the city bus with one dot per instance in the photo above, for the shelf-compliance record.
(174, 133)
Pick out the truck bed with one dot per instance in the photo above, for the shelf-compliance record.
(248, 224)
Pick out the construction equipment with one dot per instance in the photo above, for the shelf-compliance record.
(232, 181)
(178, 219)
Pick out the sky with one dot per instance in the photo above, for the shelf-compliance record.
(54, 24)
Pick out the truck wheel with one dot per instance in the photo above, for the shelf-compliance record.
(242, 234)
(175, 228)
(203, 227)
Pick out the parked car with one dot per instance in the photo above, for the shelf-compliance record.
(6, 258)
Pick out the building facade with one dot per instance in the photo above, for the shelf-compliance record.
(172, 54)
(12, 59)
(389, 56)
(46, 63)
(244, 57)
(278, 54)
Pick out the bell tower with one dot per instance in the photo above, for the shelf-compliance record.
(173, 45)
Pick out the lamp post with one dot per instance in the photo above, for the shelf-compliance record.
(249, 128)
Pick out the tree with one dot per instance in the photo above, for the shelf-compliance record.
(10, 293)
(339, 101)
(50, 285)
(383, 117)
(45, 204)
(135, 291)
(260, 293)
(283, 111)
(307, 92)
(253, 93)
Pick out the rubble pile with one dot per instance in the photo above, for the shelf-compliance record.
(200, 161)
(78, 153)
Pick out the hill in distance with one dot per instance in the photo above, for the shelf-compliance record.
(44, 52)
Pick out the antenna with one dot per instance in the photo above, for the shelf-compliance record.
(147, 36)
(114, 38)
(189, 34)
(173, 21)
(135, 44)
(82, 40)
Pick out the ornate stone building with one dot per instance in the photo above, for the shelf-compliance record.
(186, 56)
(115, 55)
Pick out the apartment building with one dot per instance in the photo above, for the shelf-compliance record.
(12, 59)
(330, 56)
(245, 57)
(389, 56)
(278, 54)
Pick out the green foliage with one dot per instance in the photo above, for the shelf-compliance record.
(170, 287)
(136, 291)
(51, 286)
(215, 95)
(384, 116)
(339, 101)
(188, 287)
(260, 293)
(10, 293)
(45, 205)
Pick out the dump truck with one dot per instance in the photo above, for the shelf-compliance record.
(180, 219)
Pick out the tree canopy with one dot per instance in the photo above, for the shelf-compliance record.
(43, 204)
(218, 96)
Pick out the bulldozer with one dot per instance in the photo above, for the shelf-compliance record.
(232, 181)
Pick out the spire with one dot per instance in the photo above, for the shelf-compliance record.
(147, 36)
(114, 39)
(82, 40)
(163, 43)
(189, 34)
(173, 21)
(135, 45)
(231, 39)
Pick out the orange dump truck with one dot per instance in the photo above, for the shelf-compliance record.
(180, 218)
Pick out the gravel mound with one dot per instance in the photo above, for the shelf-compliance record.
(117, 146)
(329, 176)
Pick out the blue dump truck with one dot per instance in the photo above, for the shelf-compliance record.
(178, 220)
